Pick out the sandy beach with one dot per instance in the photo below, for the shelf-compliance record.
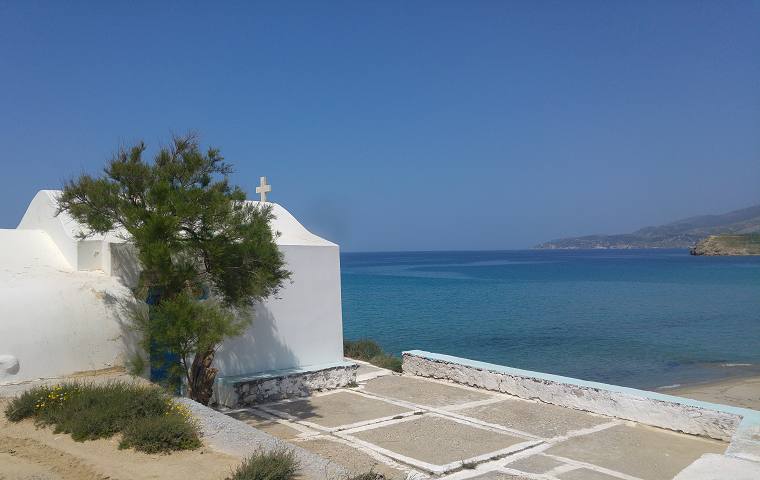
(739, 392)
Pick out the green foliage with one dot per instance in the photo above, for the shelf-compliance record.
(160, 434)
(363, 349)
(136, 365)
(370, 351)
(387, 361)
(185, 325)
(89, 412)
(276, 465)
(193, 233)
(24, 406)
(185, 219)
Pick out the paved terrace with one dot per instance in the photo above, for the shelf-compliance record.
(410, 426)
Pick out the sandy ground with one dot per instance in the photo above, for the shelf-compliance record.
(739, 392)
(28, 452)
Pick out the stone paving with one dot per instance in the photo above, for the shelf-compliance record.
(410, 427)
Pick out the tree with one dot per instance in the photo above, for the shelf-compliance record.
(193, 232)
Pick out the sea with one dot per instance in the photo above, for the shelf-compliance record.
(640, 318)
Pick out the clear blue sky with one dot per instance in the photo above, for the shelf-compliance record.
(396, 125)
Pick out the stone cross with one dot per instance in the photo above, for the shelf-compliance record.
(263, 188)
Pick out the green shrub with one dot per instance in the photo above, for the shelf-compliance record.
(89, 412)
(387, 361)
(24, 406)
(276, 465)
(369, 351)
(160, 434)
(100, 411)
(361, 349)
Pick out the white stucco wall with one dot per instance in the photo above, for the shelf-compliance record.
(90, 254)
(58, 315)
(55, 320)
(302, 327)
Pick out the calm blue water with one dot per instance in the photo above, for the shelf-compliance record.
(642, 318)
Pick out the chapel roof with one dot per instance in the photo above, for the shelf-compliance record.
(41, 215)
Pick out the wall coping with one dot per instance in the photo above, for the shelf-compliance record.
(285, 372)
(517, 372)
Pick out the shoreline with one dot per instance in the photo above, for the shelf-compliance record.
(737, 391)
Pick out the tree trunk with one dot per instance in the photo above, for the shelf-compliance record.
(202, 376)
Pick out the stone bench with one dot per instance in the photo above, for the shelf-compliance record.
(268, 386)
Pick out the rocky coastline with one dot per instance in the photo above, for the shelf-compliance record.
(714, 245)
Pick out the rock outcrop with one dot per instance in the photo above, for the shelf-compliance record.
(728, 245)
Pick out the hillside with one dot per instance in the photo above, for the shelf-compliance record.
(748, 244)
(679, 234)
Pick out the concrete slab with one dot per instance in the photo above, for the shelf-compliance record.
(269, 426)
(585, 474)
(495, 475)
(537, 418)
(354, 461)
(236, 438)
(337, 409)
(644, 452)
(719, 467)
(368, 372)
(422, 392)
(436, 440)
(535, 464)
(365, 369)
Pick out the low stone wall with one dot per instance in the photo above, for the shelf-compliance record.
(650, 408)
(242, 391)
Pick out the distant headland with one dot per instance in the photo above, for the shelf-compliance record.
(686, 233)
(747, 244)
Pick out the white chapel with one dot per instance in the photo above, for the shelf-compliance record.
(64, 306)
